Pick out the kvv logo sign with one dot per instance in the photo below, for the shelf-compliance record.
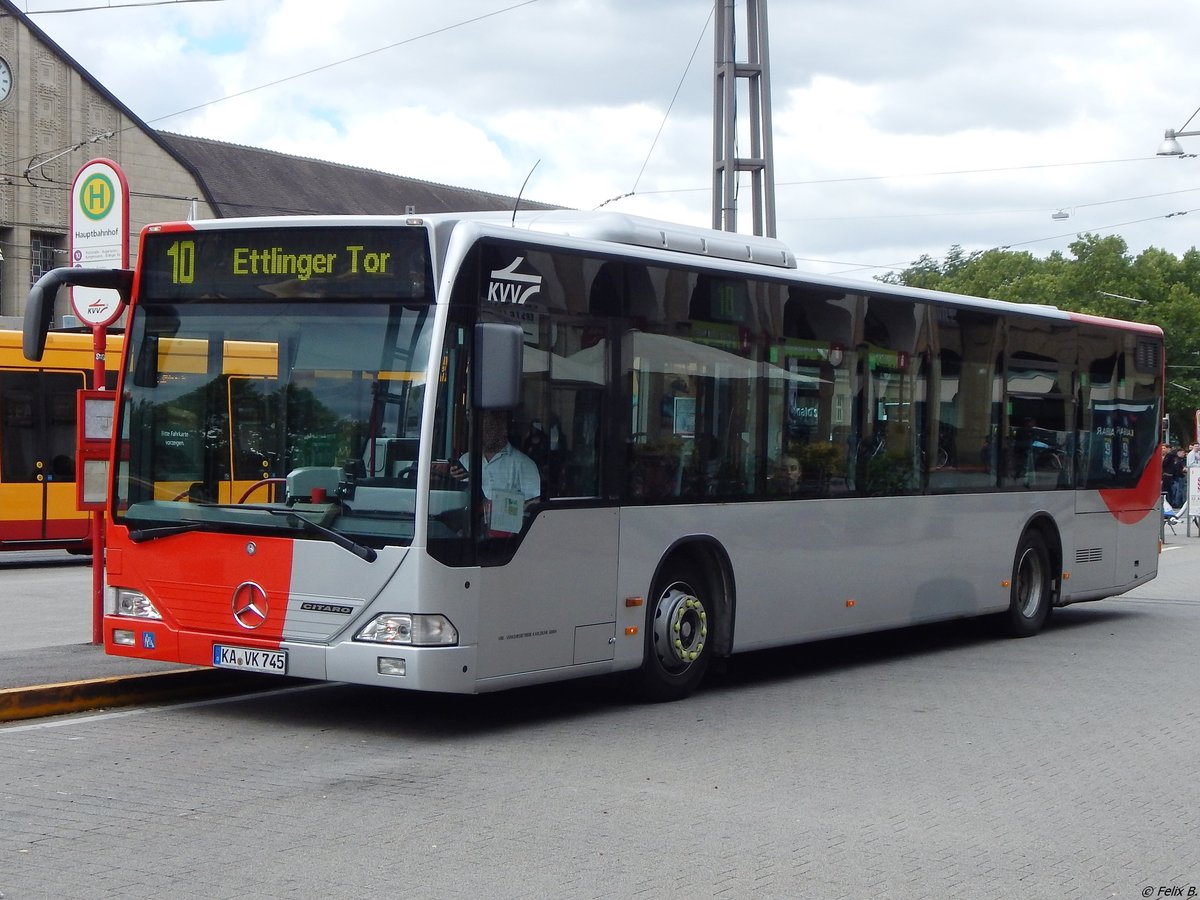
(99, 224)
(510, 286)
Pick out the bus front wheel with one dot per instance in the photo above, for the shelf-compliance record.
(1031, 589)
(679, 636)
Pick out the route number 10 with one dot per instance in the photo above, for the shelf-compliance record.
(183, 262)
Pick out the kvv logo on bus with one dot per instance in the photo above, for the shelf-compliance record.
(510, 286)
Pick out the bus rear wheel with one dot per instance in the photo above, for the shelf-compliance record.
(1031, 589)
(679, 637)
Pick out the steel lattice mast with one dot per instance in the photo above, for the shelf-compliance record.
(755, 71)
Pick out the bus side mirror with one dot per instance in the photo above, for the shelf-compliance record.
(39, 309)
(498, 357)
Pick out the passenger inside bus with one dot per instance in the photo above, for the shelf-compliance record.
(786, 477)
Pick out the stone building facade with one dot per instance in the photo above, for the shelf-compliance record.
(54, 119)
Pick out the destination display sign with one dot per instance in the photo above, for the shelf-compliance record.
(287, 263)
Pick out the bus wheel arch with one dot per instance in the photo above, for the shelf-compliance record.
(689, 618)
(1036, 578)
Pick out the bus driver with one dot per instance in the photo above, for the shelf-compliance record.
(507, 471)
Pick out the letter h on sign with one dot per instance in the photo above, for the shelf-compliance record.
(97, 194)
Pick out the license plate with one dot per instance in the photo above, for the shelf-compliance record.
(271, 661)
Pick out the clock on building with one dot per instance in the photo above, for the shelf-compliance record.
(6, 79)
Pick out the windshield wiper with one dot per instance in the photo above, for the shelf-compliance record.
(294, 521)
(298, 521)
(138, 535)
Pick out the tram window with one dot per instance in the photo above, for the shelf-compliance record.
(37, 422)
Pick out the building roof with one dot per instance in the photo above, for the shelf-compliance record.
(247, 181)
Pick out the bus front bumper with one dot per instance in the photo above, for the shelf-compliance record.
(440, 669)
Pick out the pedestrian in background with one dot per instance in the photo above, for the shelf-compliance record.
(1175, 476)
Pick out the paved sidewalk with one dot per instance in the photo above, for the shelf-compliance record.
(69, 662)
(48, 664)
(45, 599)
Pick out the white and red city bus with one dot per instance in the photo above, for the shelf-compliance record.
(725, 454)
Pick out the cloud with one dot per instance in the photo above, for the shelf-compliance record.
(867, 97)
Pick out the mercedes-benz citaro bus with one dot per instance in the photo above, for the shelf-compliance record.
(469, 452)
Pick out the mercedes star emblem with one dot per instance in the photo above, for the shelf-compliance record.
(249, 605)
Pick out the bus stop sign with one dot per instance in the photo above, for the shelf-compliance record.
(99, 231)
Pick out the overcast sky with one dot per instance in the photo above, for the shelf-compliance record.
(900, 128)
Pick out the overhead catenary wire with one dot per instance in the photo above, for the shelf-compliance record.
(109, 6)
(321, 68)
(1184, 126)
(947, 173)
(341, 62)
(854, 267)
(678, 87)
(666, 115)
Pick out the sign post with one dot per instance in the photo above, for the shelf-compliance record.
(1193, 496)
(99, 230)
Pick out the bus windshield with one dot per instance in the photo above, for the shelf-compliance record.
(233, 409)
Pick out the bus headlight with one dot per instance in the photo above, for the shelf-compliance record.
(135, 604)
(411, 629)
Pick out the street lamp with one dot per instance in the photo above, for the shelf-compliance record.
(1170, 146)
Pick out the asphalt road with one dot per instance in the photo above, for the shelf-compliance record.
(937, 762)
